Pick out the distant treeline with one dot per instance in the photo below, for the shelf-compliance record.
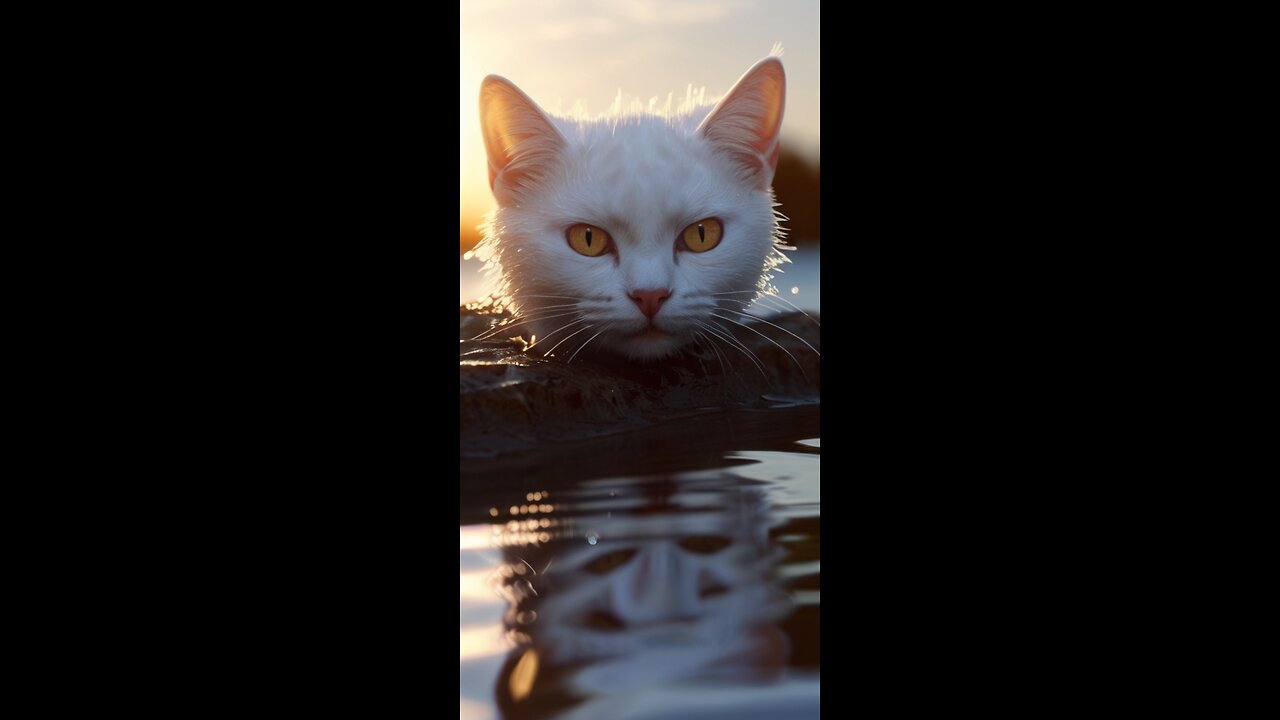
(796, 184)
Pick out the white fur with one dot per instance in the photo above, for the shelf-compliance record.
(643, 179)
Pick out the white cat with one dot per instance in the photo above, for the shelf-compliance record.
(631, 230)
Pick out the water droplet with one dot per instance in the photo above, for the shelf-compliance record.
(592, 539)
(493, 512)
(795, 291)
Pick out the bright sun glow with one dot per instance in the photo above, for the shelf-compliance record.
(472, 169)
(466, 116)
(643, 48)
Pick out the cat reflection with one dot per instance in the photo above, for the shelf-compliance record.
(639, 587)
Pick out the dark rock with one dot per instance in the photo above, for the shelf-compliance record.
(513, 397)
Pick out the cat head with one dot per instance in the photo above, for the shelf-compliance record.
(634, 233)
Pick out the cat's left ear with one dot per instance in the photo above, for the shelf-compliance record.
(746, 122)
(521, 141)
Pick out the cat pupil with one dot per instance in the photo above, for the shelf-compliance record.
(588, 237)
(702, 234)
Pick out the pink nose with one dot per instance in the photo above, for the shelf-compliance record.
(650, 300)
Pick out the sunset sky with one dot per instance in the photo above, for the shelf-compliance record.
(562, 52)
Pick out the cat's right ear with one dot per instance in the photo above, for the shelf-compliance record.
(746, 122)
(519, 138)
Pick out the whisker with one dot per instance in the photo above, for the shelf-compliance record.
(537, 314)
(732, 338)
(520, 321)
(557, 306)
(768, 308)
(760, 295)
(544, 338)
(766, 322)
(750, 303)
(767, 302)
(716, 350)
(766, 337)
(553, 347)
(702, 337)
(575, 352)
(738, 346)
(521, 315)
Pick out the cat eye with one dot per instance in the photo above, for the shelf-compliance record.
(702, 235)
(588, 239)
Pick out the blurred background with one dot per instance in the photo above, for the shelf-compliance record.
(571, 54)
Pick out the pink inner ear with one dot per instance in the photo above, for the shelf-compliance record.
(773, 158)
(747, 121)
(518, 137)
(769, 94)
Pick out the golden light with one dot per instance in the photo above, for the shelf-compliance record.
(473, 177)
(482, 641)
(523, 675)
(464, 118)
(474, 585)
(474, 537)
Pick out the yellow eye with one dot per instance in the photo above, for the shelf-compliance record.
(702, 235)
(588, 239)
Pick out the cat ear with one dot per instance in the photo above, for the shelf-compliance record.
(746, 122)
(519, 138)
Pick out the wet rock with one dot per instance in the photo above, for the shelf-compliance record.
(514, 397)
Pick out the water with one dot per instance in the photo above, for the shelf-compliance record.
(671, 571)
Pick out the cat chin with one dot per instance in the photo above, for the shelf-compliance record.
(648, 347)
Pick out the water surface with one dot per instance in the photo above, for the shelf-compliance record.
(669, 570)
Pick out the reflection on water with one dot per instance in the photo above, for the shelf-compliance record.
(668, 571)
(690, 590)
(645, 583)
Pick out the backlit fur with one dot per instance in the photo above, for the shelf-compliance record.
(642, 178)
